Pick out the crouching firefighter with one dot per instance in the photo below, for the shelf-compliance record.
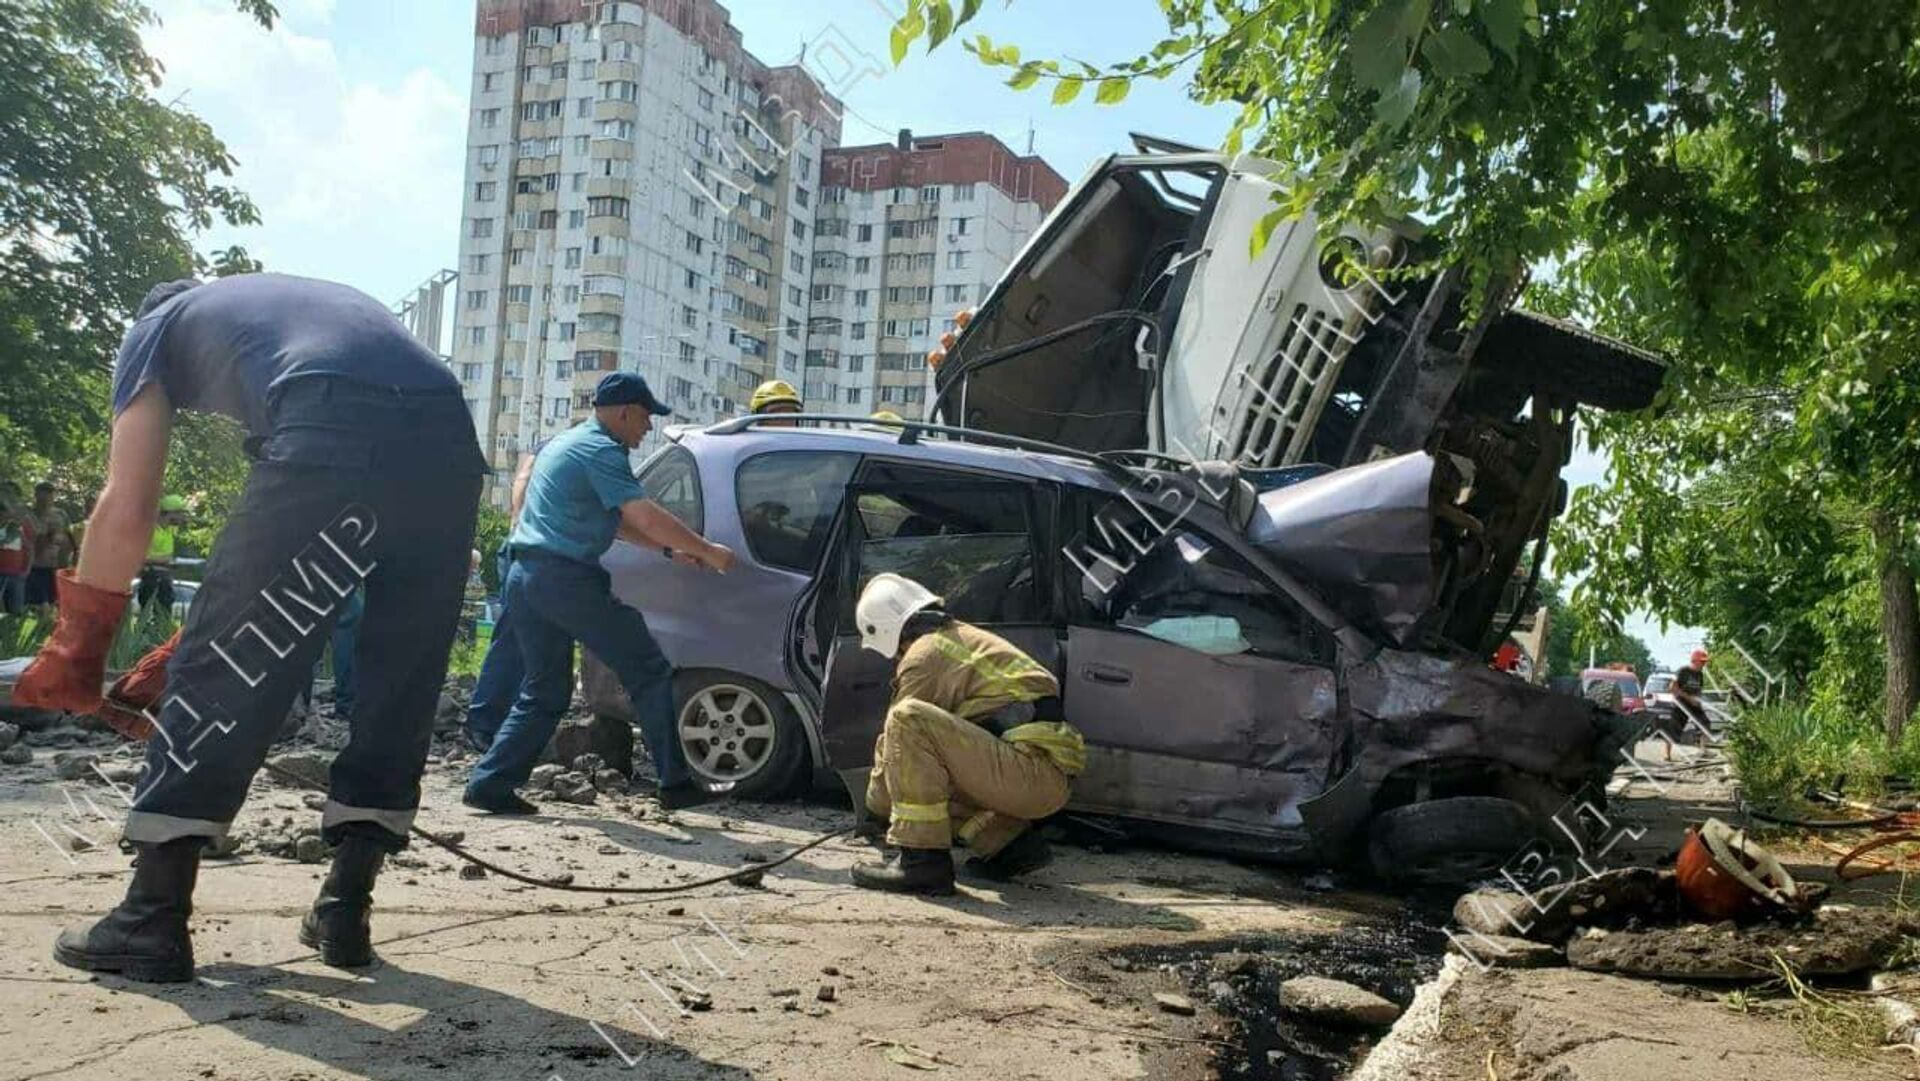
(366, 475)
(970, 748)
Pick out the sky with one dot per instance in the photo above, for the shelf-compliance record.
(348, 120)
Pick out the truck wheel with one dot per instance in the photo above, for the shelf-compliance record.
(1448, 841)
(738, 734)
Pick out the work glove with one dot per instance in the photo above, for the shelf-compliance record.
(73, 663)
(128, 700)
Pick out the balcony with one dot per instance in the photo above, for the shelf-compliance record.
(606, 264)
(618, 71)
(602, 303)
(616, 110)
(617, 186)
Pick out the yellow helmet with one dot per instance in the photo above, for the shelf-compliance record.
(887, 415)
(774, 392)
(172, 504)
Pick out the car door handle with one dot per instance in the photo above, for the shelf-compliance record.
(1100, 673)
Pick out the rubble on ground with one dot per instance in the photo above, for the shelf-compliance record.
(1839, 940)
(1335, 1002)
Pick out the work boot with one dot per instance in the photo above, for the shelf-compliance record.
(145, 938)
(72, 664)
(680, 797)
(1027, 852)
(927, 871)
(339, 925)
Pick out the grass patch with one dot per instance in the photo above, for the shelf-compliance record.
(1783, 749)
(1833, 1024)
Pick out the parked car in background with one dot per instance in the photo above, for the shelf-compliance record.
(1631, 698)
(1248, 677)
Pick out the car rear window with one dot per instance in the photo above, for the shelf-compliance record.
(673, 481)
(787, 502)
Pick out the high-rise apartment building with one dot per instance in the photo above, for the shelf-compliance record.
(640, 195)
(907, 234)
(643, 194)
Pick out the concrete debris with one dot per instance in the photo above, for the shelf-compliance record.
(310, 849)
(826, 993)
(589, 764)
(1179, 1005)
(608, 737)
(611, 781)
(28, 719)
(1837, 941)
(222, 848)
(1334, 1002)
(574, 788)
(541, 780)
(310, 765)
(472, 871)
(1502, 951)
(1608, 899)
(74, 767)
(9, 734)
(17, 755)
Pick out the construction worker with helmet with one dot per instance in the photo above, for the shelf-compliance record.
(1688, 685)
(774, 397)
(156, 574)
(972, 749)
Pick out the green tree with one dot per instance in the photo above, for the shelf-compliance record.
(101, 187)
(1736, 184)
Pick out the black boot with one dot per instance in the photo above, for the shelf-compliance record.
(927, 871)
(340, 924)
(1027, 852)
(145, 938)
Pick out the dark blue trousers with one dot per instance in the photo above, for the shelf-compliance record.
(357, 486)
(555, 602)
(501, 672)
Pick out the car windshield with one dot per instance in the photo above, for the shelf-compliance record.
(1659, 684)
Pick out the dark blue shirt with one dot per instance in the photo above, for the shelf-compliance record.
(225, 346)
(580, 480)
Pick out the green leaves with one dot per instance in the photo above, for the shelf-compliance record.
(1502, 20)
(910, 26)
(1383, 41)
(1112, 90)
(1263, 231)
(1453, 52)
(1067, 89)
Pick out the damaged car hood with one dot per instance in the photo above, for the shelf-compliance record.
(1363, 537)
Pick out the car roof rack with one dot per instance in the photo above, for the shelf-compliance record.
(910, 432)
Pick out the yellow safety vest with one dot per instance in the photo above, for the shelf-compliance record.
(161, 550)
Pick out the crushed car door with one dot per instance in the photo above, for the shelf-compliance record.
(976, 541)
(1208, 697)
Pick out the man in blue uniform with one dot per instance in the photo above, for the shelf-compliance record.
(366, 475)
(581, 495)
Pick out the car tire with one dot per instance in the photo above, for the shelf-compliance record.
(762, 756)
(1448, 841)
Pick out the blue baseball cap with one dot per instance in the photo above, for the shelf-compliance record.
(628, 388)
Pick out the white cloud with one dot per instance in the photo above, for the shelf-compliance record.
(356, 180)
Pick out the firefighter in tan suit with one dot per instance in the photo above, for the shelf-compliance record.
(968, 750)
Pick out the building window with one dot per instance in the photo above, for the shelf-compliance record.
(793, 327)
(566, 332)
(864, 232)
(959, 226)
(800, 196)
(797, 262)
(606, 245)
(799, 229)
(853, 395)
(706, 99)
(614, 129)
(619, 90)
(494, 45)
(582, 145)
(693, 280)
(860, 297)
(583, 107)
(902, 195)
(489, 118)
(794, 296)
(477, 263)
(519, 294)
(606, 206)
(695, 243)
(599, 323)
(859, 333)
(476, 299)
(856, 362)
(576, 219)
(485, 191)
(963, 193)
(487, 156)
(956, 260)
(603, 285)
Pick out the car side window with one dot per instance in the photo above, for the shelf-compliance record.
(788, 499)
(1194, 592)
(673, 481)
(968, 540)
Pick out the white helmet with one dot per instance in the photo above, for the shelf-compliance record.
(884, 607)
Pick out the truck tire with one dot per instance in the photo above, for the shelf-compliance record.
(1448, 841)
